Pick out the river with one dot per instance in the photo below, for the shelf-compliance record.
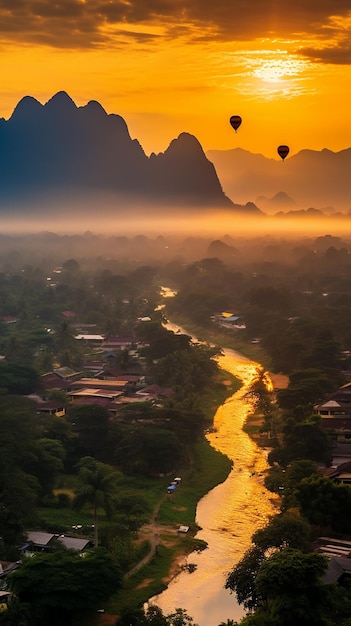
(228, 515)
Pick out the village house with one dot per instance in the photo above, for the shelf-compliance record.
(90, 339)
(229, 320)
(116, 344)
(127, 382)
(340, 474)
(60, 379)
(343, 395)
(94, 367)
(90, 395)
(39, 541)
(51, 407)
(6, 567)
(335, 418)
(5, 599)
(338, 567)
(109, 383)
(155, 393)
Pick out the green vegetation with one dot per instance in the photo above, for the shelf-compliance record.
(220, 336)
(208, 470)
(59, 519)
(45, 583)
(145, 583)
(295, 300)
(67, 481)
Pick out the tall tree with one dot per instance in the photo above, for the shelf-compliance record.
(18, 487)
(67, 348)
(90, 422)
(283, 530)
(98, 488)
(46, 463)
(289, 583)
(241, 579)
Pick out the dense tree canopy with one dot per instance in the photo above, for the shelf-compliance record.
(188, 370)
(289, 583)
(285, 530)
(295, 298)
(91, 423)
(302, 440)
(18, 379)
(19, 488)
(324, 503)
(306, 387)
(60, 585)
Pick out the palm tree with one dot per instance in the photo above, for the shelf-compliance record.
(98, 487)
(68, 350)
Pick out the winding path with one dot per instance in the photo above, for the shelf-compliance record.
(152, 531)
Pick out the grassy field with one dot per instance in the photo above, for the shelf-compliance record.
(208, 470)
(61, 519)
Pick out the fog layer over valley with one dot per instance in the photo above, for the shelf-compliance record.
(93, 250)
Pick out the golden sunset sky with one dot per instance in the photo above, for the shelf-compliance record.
(168, 66)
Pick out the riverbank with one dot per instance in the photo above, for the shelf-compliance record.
(225, 338)
(228, 338)
(229, 514)
(167, 547)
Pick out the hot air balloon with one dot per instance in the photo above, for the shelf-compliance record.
(283, 151)
(235, 121)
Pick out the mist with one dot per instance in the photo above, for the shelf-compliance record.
(98, 237)
(116, 214)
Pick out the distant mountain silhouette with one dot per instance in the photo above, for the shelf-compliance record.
(220, 250)
(311, 212)
(59, 148)
(280, 201)
(309, 178)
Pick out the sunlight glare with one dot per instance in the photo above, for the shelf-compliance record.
(278, 69)
(270, 73)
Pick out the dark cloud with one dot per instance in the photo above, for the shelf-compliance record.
(97, 23)
(333, 55)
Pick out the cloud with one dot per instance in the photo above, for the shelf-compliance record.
(80, 24)
(331, 55)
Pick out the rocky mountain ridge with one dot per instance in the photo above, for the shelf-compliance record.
(61, 149)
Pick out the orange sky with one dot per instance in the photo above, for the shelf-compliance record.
(169, 66)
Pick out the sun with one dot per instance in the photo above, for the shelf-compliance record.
(275, 70)
(271, 74)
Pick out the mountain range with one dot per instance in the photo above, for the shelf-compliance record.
(307, 179)
(61, 152)
(59, 149)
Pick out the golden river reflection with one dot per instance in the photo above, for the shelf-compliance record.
(228, 515)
